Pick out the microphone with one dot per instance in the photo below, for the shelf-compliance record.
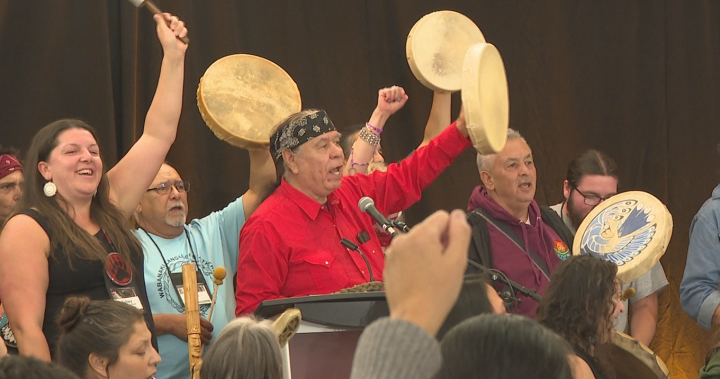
(350, 245)
(367, 205)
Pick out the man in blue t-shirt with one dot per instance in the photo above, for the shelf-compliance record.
(210, 242)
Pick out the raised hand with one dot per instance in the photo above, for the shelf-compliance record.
(391, 99)
(170, 30)
(424, 270)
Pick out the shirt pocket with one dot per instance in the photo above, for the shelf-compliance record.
(326, 272)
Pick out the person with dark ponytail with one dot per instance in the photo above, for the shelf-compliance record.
(592, 177)
(105, 340)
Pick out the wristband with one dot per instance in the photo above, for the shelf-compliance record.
(371, 138)
(374, 129)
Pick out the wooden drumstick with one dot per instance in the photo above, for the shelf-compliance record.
(192, 319)
(219, 275)
(155, 10)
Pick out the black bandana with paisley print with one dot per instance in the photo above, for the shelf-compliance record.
(300, 131)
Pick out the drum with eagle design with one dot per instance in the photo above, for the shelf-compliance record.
(631, 229)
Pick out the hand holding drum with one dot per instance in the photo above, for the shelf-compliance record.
(447, 52)
(243, 97)
(631, 229)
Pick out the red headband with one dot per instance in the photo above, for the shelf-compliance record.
(8, 165)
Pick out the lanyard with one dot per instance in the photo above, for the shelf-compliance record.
(112, 245)
(167, 268)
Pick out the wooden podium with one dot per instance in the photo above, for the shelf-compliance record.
(324, 345)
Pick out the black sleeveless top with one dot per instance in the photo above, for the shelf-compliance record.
(85, 278)
(594, 367)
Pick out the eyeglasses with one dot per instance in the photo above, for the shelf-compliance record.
(592, 200)
(165, 187)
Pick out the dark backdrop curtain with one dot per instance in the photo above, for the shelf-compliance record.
(636, 79)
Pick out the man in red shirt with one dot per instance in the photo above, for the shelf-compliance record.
(291, 245)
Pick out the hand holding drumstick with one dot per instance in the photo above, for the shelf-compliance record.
(155, 10)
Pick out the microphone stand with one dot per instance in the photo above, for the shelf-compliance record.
(515, 286)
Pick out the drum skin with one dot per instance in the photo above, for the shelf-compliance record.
(436, 47)
(243, 97)
(485, 98)
(631, 229)
(633, 360)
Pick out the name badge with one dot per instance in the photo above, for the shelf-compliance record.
(204, 295)
(127, 295)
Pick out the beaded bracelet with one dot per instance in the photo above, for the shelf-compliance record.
(371, 138)
(374, 129)
(352, 162)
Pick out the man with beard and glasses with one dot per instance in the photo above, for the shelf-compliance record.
(592, 178)
(210, 242)
(511, 233)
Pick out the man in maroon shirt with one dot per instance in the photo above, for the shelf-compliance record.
(291, 245)
(536, 241)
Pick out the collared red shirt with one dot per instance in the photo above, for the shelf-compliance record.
(291, 246)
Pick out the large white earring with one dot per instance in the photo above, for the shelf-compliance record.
(50, 189)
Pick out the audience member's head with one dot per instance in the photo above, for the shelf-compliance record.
(477, 296)
(581, 303)
(509, 176)
(105, 339)
(22, 367)
(591, 178)
(500, 347)
(11, 182)
(245, 349)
